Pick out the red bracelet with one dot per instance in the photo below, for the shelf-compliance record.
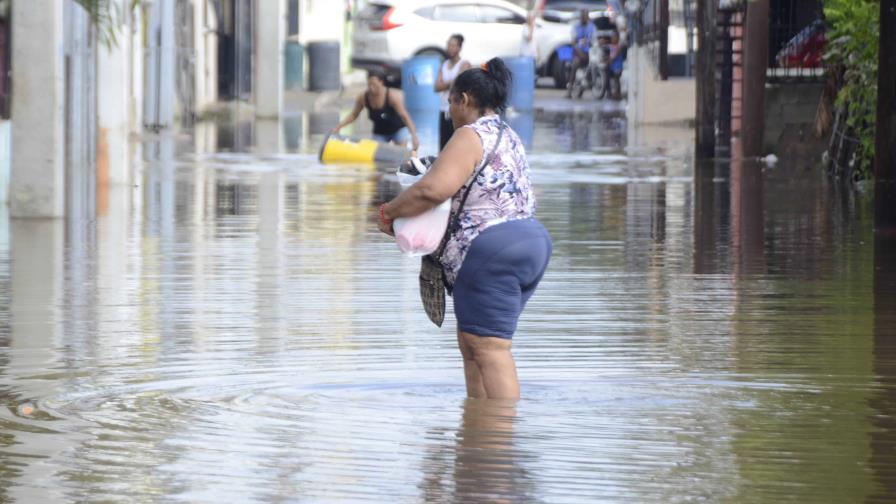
(383, 218)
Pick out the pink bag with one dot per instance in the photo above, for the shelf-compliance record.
(422, 234)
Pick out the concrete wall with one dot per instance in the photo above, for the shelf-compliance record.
(321, 20)
(789, 104)
(790, 110)
(653, 101)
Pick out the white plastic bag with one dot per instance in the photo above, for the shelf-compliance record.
(422, 234)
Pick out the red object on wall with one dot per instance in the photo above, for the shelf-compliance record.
(805, 50)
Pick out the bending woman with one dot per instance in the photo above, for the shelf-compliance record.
(497, 256)
(385, 108)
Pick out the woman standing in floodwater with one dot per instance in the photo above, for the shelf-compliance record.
(498, 254)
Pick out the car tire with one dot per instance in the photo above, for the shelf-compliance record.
(558, 72)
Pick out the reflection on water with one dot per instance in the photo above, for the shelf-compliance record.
(883, 400)
(484, 463)
(234, 328)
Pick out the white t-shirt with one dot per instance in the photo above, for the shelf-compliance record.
(449, 73)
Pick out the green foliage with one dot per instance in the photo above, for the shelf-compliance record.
(107, 16)
(853, 41)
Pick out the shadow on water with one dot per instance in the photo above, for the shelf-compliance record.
(233, 327)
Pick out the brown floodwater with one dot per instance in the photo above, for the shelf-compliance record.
(234, 329)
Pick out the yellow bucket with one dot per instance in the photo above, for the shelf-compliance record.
(343, 149)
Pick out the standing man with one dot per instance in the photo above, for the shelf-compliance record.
(582, 35)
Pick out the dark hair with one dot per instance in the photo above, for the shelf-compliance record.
(459, 38)
(488, 85)
(379, 74)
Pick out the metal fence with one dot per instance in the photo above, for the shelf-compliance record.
(653, 32)
(796, 40)
(658, 22)
(729, 72)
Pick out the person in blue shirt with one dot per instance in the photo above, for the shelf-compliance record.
(618, 52)
(582, 36)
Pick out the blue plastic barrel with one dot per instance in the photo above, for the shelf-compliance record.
(427, 123)
(523, 123)
(522, 90)
(418, 82)
(295, 65)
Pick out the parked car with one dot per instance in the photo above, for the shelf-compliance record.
(387, 32)
(567, 11)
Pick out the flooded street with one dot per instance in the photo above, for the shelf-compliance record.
(234, 328)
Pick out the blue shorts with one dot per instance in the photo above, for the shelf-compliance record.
(400, 137)
(498, 276)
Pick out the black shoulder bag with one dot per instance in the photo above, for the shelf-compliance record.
(432, 276)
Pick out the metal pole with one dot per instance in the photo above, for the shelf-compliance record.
(664, 40)
(885, 147)
(706, 77)
(756, 34)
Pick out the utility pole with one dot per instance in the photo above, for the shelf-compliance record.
(37, 182)
(885, 242)
(706, 79)
(755, 68)
(885, 147)
(270, 38)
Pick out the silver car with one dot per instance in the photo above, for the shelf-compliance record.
(388, 32)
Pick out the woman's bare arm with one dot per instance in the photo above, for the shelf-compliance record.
(397, 99)
(449, 172)
(441, 85)
(353, 115)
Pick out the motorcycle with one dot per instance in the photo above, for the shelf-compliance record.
(595, 75)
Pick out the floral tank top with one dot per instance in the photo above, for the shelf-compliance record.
(501, 193)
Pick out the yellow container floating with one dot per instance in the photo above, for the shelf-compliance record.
(340, 149)
(343, 149)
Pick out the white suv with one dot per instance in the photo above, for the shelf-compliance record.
(387, 32)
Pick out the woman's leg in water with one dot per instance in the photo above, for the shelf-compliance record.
(488, 366)
(472, 378)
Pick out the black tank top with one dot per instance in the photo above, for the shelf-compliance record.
(385, 120)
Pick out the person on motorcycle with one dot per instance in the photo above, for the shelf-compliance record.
(582, 35)
(618, 52)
